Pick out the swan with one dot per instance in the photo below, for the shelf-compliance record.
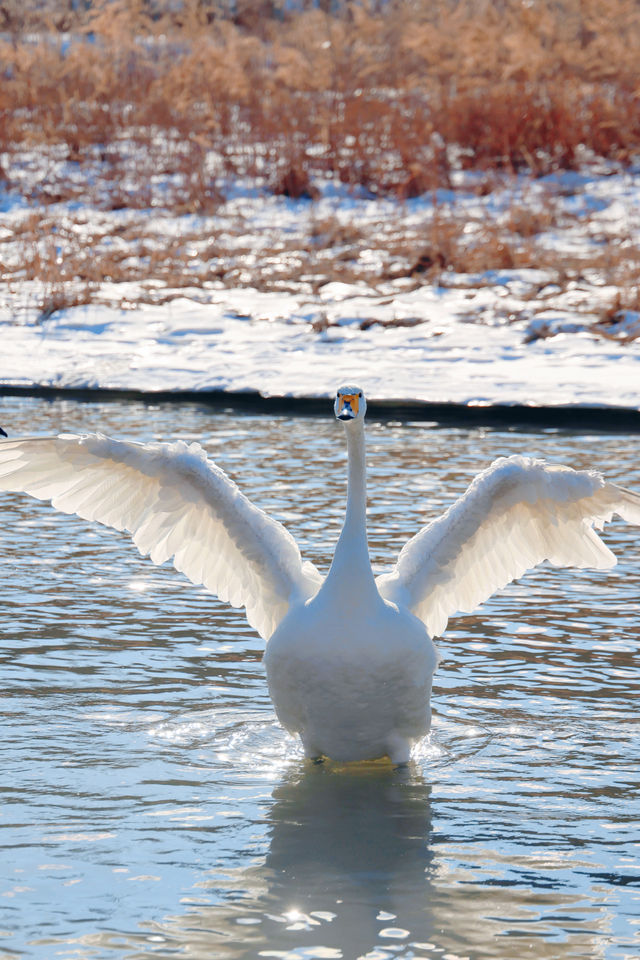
(349, 658)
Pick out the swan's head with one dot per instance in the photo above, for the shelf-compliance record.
(350, 404)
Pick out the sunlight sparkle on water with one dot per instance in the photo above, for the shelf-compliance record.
(394, 933)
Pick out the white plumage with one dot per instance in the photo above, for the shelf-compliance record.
(349, 659)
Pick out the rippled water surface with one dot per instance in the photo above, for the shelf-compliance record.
(152, 806)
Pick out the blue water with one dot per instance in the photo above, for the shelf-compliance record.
(152, 807)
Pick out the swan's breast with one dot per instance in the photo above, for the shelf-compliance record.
(348, 680)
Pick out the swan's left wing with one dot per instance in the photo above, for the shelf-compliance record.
(176, 504)
(514, 515)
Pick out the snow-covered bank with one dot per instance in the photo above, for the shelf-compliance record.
(406, 321)
(264, 342)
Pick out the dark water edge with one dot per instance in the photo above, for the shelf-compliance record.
(611, 419)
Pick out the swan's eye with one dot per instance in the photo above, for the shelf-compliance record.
(360, 393)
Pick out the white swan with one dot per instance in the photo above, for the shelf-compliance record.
(349, 659)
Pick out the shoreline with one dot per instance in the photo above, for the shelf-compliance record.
(578, 417)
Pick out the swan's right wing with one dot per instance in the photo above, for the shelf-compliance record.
(176, 504)
(514, 515)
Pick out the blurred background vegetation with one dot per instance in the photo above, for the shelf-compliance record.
(135, 105)
(389, 96)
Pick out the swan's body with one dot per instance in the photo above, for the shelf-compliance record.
(353, 679)
(349, 658)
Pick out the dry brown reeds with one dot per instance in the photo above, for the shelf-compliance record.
(385, 96)
(125, 106)
(73, 255)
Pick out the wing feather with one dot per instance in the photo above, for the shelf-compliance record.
(175, 504)
(514, 515)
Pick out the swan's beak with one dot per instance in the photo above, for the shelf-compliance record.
(347, 406)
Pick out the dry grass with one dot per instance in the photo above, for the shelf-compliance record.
(130, 106)
(59, 259)
(385, 97)
(621, 320)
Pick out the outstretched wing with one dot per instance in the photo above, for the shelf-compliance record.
(514, 515)
(175, 504)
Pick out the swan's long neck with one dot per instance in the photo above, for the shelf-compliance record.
(351, 567)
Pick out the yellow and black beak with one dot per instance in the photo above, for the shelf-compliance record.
(347, 406)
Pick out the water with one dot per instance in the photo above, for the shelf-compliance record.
(152, 807)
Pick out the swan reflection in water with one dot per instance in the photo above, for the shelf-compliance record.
(354, 870)
(347, 870)
(354, 844)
